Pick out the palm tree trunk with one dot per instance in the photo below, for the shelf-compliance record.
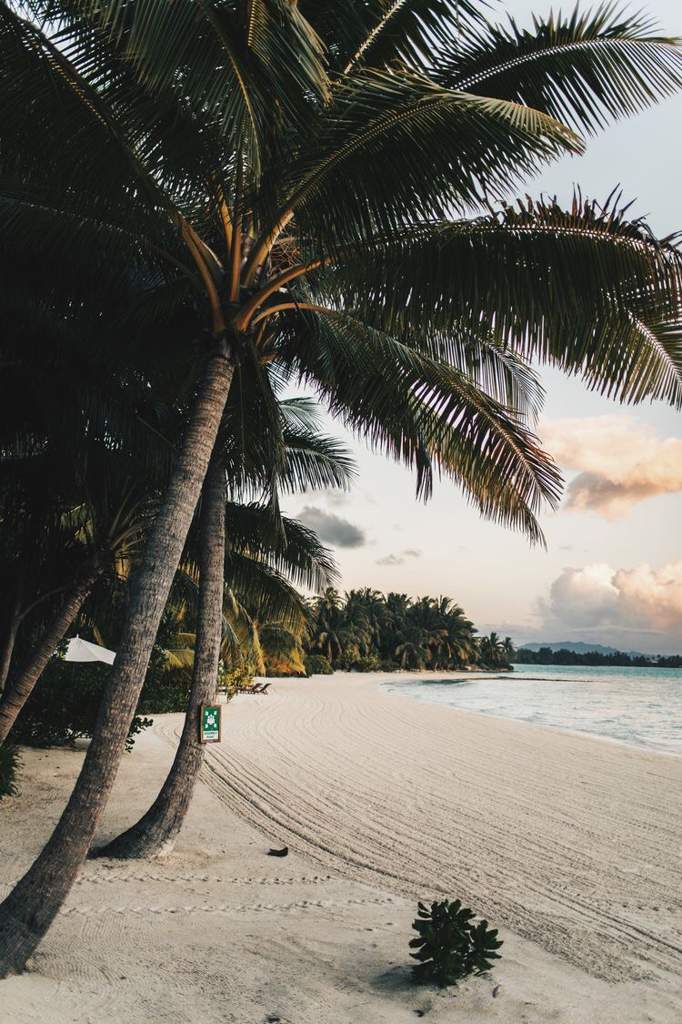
(28, 911)
(10, 641)
(21, 684)
(157, 830)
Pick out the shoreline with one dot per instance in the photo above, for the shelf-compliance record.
(630, 745)
(569, 846)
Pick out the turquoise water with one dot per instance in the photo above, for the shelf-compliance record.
(640, 707)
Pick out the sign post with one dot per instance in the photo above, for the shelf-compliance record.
(209, 723)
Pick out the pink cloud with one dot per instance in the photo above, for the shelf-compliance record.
(619, 462)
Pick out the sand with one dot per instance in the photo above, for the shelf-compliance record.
(570, 844)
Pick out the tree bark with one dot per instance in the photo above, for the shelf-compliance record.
(10, 641)
(20, 685)
(28, 911)
(155, 833)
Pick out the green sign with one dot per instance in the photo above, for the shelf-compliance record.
(209, 723)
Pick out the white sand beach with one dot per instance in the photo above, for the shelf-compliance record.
(570, 844)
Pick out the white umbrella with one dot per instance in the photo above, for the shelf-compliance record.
(83, 650)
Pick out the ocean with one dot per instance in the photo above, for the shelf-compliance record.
(641, 707)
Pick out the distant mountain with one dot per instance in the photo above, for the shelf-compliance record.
(579, 647)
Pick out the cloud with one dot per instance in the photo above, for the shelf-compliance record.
(332, 528)
(399, 559)
(390, 560)
(619, 604)
(620, 462)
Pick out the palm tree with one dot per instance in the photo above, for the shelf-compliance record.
(411, 655)
(250, 564)
(491, 650)
(304, 233)
(102, 535)
(508, 649)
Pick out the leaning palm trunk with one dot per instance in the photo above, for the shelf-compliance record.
(9, 642)
(156, 831)
(21, 685)
(27, 913)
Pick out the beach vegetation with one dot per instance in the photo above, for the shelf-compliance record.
(367, 631)
(494, 651)
(317, 665)
(63, 706)
(614, 659)
(451, 944)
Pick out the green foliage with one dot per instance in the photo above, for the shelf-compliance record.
(370, 664)
(563, 656)
(9, 768)
(317, 665)
(367, 631)
(389, 666)
(495, 652)
(165, 689)
(64, 705)
(450, 945)
(234, 679)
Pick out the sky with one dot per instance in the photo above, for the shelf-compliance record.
(612, 570)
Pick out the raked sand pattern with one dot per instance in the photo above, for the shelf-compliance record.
(573, 840)
(570, 844)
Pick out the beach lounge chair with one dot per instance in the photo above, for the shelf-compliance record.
(256, 688)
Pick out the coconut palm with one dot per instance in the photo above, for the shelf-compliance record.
(492, 650)
(411, 655)
(508, 648)
(244, 548)
(70, 522)
(291, 167)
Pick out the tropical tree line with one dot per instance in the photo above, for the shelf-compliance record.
(202, 204)
(369, 631)
(562, 656)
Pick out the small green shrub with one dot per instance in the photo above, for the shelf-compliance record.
(450, 945)
(234, 679)
(317, 665)
(9, 769)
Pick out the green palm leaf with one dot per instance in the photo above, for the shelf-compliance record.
(366, 167)
(572, 287)
(426, 413)
(583, 68)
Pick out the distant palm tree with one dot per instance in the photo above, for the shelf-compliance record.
(508, 647)
(411, 655)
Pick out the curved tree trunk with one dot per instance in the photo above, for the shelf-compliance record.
(9, 642)
(20, 685)
(157, 830)
(28, 911)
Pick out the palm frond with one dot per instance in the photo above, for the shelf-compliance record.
(260, 585)
(365, 170)
(571, 287)
(584, 68)
(425, 413)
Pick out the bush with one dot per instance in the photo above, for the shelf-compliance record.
(370, 664)
(9, 769)
(234, 679)
(389, 666)
(64, 706)
(317, 665)
(450, 945)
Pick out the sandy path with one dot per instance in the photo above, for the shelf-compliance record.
(569, 841)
